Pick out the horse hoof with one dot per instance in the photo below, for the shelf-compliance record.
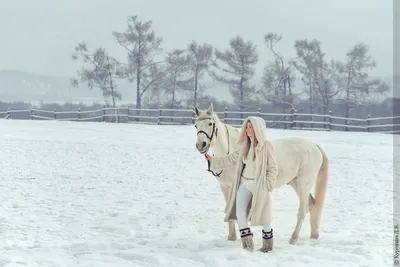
(293, 240)
(314, 236)
(232, 238)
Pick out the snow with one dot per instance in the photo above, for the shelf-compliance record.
(96, 194)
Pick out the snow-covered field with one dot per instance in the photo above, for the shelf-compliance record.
(94, 194)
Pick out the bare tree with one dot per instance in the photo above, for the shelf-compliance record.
(200, 58)
(354, 79)
(240, 63)
(101, 73)
(277, 77)
(319, 75)
(152, 80)
(142, 45)
(178, 79)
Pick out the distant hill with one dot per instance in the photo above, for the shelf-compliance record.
(25, 86)
(18, 85)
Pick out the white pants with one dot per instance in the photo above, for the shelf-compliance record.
(244, 195)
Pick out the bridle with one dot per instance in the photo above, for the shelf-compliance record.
(210, 138)
(214, 131)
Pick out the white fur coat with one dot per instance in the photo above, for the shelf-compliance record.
(266, 172)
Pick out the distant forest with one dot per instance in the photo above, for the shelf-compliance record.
(178, 80)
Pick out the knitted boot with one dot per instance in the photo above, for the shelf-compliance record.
(268, 241)
(247, 238)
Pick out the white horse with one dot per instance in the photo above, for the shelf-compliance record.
(301, 164)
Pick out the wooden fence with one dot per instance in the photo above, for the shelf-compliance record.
(161, 116)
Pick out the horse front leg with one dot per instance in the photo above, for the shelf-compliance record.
(231, 224)
(232, 231)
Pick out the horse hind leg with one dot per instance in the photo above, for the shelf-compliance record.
(314, 223)
(304, 206)
(311, 202)
(314, 216)
(311, 199)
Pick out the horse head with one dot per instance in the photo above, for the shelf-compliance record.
(206, 128)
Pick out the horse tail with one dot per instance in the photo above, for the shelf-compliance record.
(320, 187)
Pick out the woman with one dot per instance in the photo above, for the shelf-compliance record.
(256, 171)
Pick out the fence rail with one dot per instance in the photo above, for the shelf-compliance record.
(293, 120)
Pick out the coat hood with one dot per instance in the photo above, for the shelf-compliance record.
(258, 128)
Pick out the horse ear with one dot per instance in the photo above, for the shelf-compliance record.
(196, 111)
(210, 110)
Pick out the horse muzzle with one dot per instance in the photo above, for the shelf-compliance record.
(202, 147)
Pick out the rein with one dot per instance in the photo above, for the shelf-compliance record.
(208, 162)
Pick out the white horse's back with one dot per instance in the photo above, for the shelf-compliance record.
(294, 156)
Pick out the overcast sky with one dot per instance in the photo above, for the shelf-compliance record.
(40, 36)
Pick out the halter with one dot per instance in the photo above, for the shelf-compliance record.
(214, 131)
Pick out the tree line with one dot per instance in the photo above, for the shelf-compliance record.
(179, 78)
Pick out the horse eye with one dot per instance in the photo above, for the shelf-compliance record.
(210, 124)
(195, 126)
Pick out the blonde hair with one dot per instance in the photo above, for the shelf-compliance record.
(248, 143)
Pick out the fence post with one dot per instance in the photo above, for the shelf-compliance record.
(285, 120)
(226, 115)
(127, 114)
(8, 113)
(259, 112)
(330, 120)
(104, 113)
(159, 114)
(55, 114)
(193, 115)
(79, 114)
(368, 121)
(293, 118)
(346, 123)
